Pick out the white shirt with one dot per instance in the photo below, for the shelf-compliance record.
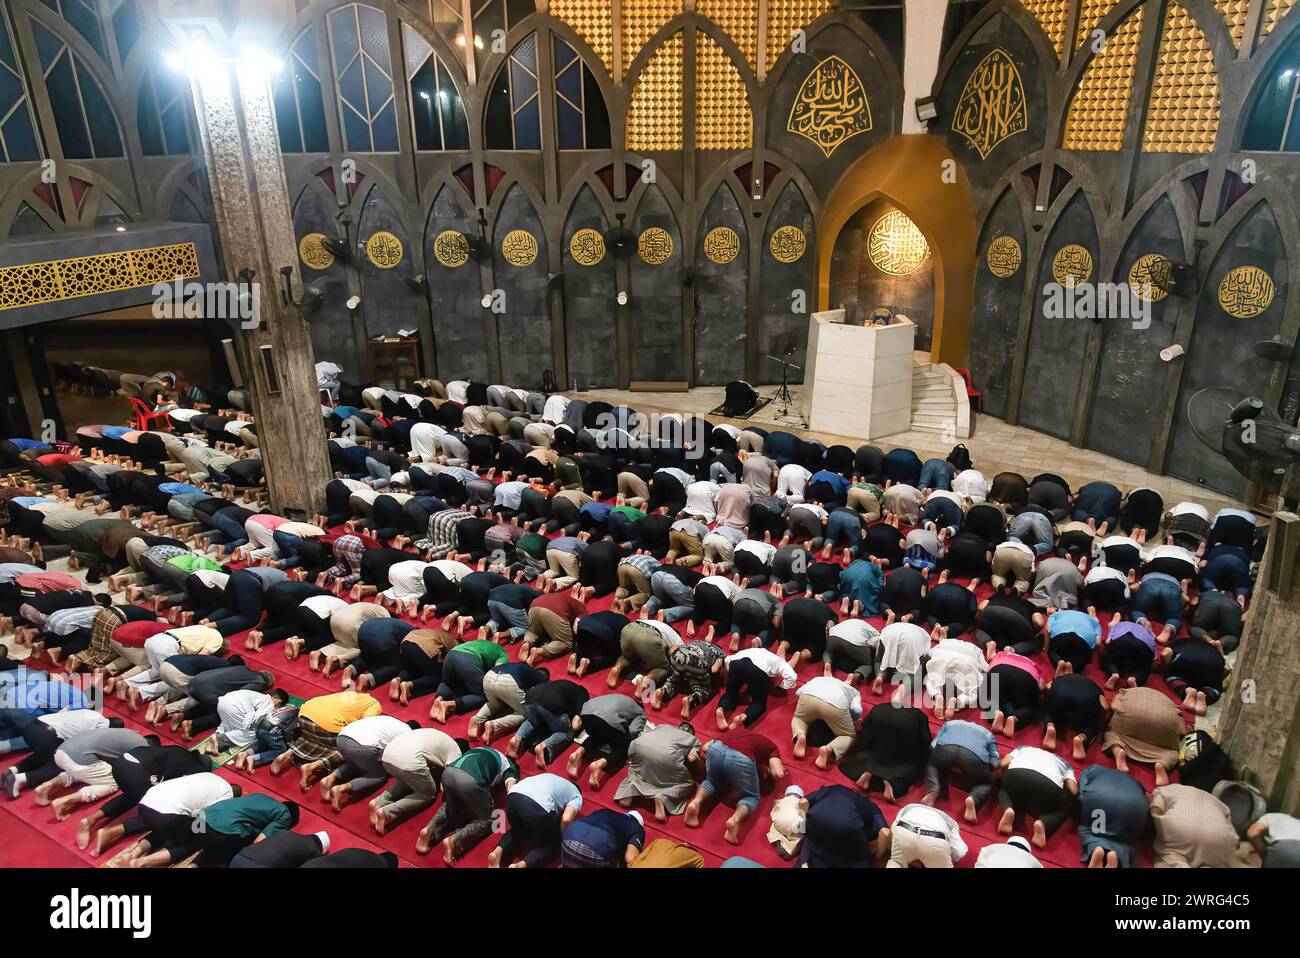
(211, 577)
(406, 579)
(424, 439)
(670, 636)
(1174, 552)
(764, 550)
(188, 795)
(554, 410)
(1042, 761)
(791, 480)
(239, 711)
(1190, 508)
(375, 731)
(1099, 573)
(856, 632)
(458, 391)
(971, 484)
(904, 644)
(451, 570)
(934, 820)
(812, 508)
(729, 588)
(771, 663)
(322, 606)
(75, 721)
(1006, 855)
(834, 693)
(702, 500)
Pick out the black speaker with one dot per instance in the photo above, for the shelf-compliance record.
(1181, 281)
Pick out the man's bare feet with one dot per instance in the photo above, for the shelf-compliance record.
(1007, 822)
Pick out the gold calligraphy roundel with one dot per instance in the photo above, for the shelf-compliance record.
(1149, 276)
(895, 245)
(384, 250)
(1003, 256)
(1072, 264)
(1246, 292)
(313, 253)
(787, 244)
(587, 247)
(451, 248)
(519, 248)
(721, 245)
(655, 246)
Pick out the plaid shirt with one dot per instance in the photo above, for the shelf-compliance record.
(348, 551)
(100, 652)
(442, 532)
(645, 563)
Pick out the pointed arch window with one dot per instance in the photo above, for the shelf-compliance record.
(1274, 123)
(18, 141)
(363, 70)
(581, 119)
(299, 102)
(164, 112)
(83, 116)
(513, 116)
(437, 113)
(83, 17)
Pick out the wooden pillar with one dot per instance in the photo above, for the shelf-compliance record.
(236, 121)
(1259, 726)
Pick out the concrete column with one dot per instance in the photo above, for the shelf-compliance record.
(1259, 726)
(231, 83)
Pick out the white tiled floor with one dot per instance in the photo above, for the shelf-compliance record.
(995, 447)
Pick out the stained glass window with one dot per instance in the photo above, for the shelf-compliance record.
(436, 109)
(82, 113)
(299, 106)
(513, 119)
(84, 18)
(18, 140)
(581, 120)
(493, 19)
(363, 73)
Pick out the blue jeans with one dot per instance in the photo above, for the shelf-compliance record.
(725, 767)
(503, 616)
(1159, 597)
(843, 529)
(286, 543)
(676, 590)
(269, 741)
(538, 721)
(229, 532)
(720, 474)
(935, 474)
(380, 473)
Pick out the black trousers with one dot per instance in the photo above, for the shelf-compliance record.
(944, 759)
(743, 674)
(534, 832)
(1035, 794)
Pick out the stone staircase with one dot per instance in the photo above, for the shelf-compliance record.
(939, 402)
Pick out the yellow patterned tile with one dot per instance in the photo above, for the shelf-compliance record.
(654, 111)
(723, 119)
(1234, 15)
(593, 20)
(31, 284)
(1051, 16)
(1099, 108)
(738, 19)
(641, 21)
(1183, 109)
(1274, 11)
(1090, 14)
(786, 16)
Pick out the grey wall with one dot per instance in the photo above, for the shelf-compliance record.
(655, 308)
(524, 329)
(590, 308)
(721, 295)
(459, 334)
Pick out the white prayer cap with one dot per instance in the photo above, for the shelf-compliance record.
(1020, 842)
(324, 838)
(794, 790)
(637, 815)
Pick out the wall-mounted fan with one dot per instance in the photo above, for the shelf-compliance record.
(1252, 437)
(620, 241)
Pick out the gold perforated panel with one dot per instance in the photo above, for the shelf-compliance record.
(738, 19)
(784, 17)
(723, 120)
(1234, 15)
(654, 112)
(593, 20)
(642, 20)
(1183, 112)
(1090, 14)
(1275, 11)
(30, 284)
(1051, 16)
(1097, 112)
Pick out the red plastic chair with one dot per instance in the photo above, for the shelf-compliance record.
(145, 417)
(974, 395)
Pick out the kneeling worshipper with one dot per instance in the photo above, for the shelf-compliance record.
(1193, 829)
(314, 745)
(538, 810)
(231, 825)
(969, 748)
(843, 829)
(1040, 784)
(892, 750)
(416, 760)
(471, 786)
(925, 835)
(660, 767)
(171, 812)
(1113, 817)
(740, 761)
(284, 849)
(604, 839)
(1145, 725)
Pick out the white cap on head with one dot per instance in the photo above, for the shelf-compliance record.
(324, 838)
(794, 790)
(1020, 842)
(637, 815)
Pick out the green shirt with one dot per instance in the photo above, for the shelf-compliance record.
(487, 766)
(533, 544)
(567, 475)
(489, 653)
(247, 816)
(635, 515)
(193, 563)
